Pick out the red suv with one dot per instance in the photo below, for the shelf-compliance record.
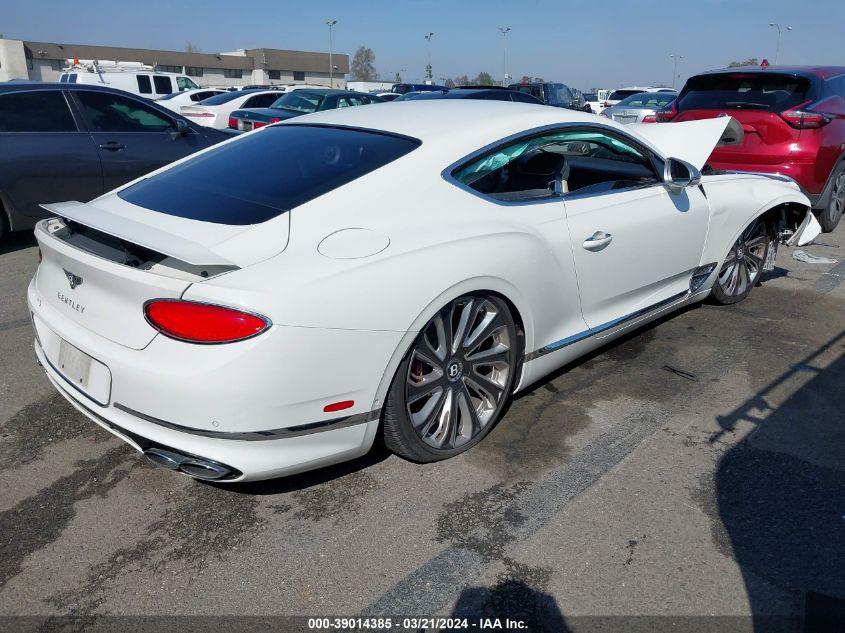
(794, 123)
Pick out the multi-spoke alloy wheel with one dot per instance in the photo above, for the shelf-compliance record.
(830, 216)
(743, 265)
(456, 379)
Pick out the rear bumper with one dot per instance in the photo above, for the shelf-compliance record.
(262, 421)
(801, 172)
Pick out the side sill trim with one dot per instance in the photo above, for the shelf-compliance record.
(580, 336)
(256, 436)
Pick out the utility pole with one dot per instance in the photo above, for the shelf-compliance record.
(777, 47)
(675, 59)
(428, 72)
(330, 24)
(504, 30)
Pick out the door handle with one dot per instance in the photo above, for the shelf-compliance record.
(597, 241)
(112, 146)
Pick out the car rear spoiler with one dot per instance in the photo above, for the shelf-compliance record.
(692, 141)
(138, 233)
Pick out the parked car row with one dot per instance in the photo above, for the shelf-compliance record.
(73, 141)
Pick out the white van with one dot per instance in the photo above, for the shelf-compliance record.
(135, 77)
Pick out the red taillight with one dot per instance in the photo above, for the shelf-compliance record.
(804, 119)
(649, 118)
(233, 123)
(664, 116)
(259, 124)
(202, 323)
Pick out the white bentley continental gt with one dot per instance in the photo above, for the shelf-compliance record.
(276, 302)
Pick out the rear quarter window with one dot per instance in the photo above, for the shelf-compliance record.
(263, 175)
(35, 111)
(749, 91)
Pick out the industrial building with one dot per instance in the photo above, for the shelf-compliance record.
(43, 61)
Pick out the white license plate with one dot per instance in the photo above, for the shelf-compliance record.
(74, 364)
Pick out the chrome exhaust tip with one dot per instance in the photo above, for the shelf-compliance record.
(192, 466)
(203, 469)
(163, 458)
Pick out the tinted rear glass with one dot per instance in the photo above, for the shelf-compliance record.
(618, 95)
(35, 111)
(749, 91)
(265, 174)
(226, 97)
(648, 100)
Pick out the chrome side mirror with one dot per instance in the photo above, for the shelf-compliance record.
(679, 174)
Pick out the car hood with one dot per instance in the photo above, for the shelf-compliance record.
(692, 141)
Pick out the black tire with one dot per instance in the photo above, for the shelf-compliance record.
(458, 387)
(830, 215)
(743, 266)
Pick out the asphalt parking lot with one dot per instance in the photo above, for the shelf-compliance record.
(694, 468)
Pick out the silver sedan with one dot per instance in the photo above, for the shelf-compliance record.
(639, 108)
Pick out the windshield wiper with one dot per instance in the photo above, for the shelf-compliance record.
(747, 104)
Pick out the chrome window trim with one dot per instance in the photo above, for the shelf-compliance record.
(651, 155)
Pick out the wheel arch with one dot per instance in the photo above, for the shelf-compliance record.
(729, 219)
(498, 287)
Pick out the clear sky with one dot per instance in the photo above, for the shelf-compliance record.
(585, 43)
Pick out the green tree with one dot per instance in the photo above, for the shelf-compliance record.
(484, 79)
(363, 64)
(752, 61)
(190, 47)
(450, 83)
(462, 80)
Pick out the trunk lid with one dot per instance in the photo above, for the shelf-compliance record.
(200, 115)
(756, 99)
(767, 137)
(103, 296)
(101, 261)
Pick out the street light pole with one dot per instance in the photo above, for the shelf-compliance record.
(428, 71)
(504, 31)
(675, 59)
(330, 24)
(777, 47)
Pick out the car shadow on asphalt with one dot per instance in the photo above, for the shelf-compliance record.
(779, 498)
(378, 453)
(635, 333)
(281, 485)
(17, 241)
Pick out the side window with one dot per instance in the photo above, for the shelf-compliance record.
(144, 85)
(35, 111)
(574, 162)
(183, 83)
(260, 101)
(347, 102)
(163, 84)
(114, 113)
